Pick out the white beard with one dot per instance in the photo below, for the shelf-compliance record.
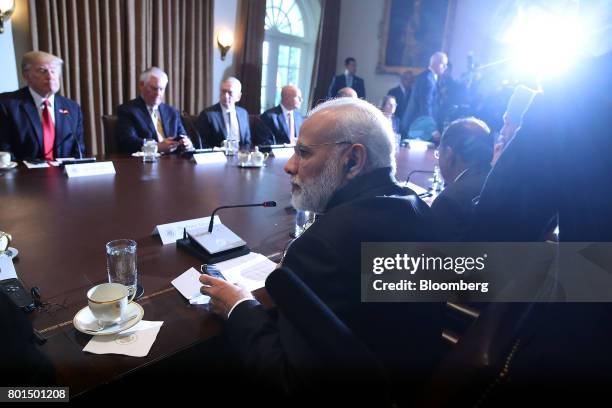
(315, 194)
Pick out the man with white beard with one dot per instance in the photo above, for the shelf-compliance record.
(342, 169)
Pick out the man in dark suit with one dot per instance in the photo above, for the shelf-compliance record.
(342, 169)
(424, 96)
(225, 120)
(402, 92)
(147, 117)
(282, 123)
(556, 167)
(35, 122)
(466, 151)
(347, 80)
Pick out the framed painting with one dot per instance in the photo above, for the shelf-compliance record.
(412, 30)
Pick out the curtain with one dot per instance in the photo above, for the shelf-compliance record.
(250, 34)
(325, 58)
(106, 44)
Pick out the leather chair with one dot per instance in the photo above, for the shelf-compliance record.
(190, 125)
(111, 144)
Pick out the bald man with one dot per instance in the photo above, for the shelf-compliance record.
(35, 122)
(282, 123)
(424, 96)
(346, 92)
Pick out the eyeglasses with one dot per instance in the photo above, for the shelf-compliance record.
(302, 150)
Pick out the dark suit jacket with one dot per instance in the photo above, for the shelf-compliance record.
(327, 258)
(211, 126)
(401, 98)
(423, 100)
(134, 124)
(339, 82)
(453, 208)
(21, 127)
(272, 127)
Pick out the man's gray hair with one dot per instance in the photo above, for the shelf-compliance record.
(437, 56)
(234, 81)
(33, 57)
(358, 121)
(154, 72)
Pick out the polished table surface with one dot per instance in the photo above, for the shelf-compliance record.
(60, 227)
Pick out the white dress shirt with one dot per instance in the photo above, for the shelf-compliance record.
(38, 101)
(291, 130)
(231, 124)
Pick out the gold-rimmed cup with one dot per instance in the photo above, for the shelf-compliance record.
(108, 302)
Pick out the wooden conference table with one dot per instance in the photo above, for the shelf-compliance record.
(60, 227)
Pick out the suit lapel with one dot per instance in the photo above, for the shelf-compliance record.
(163, 116)
(241, 125)
(297, 121)
(59, 113)
(283, 121)
(146, 117)
(221, 120)
(27, 104)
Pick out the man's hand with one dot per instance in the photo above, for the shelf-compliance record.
(185, 142)
(167, 146)
(223, 295)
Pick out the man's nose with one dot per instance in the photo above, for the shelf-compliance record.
(291, 165)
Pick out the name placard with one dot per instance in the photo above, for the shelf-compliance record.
(90, 169)
(210, 158)
(283, 152)
(170, 233)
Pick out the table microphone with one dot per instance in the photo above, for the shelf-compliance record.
(212, 217)
(418, 171)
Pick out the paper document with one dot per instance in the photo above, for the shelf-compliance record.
(250, 270)
(188, 284)
(7, 269)
(417, 189)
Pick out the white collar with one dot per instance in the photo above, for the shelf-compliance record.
(402, 88)
(346, 73)
(38, 100)
(435, 75)
(285, 110)
(226, 110)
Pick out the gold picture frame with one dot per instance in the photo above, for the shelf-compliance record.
(415, 53)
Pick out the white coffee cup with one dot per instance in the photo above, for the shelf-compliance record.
(244, 157)
(108, 302)
(5, 159)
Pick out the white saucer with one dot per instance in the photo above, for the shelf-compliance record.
(140, 154)
(84, 320)
(249, 165)
(11, 165)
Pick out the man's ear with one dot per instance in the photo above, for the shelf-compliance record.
(356, 158)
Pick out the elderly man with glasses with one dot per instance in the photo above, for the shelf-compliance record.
(342, 169)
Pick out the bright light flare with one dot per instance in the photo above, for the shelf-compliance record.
(545, 43)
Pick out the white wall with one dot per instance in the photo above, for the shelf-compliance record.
(225, 14)
(8, 68)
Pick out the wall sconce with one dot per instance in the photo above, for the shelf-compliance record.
(7, 7)
(225, 40)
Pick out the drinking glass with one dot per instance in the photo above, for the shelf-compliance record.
(121, 263)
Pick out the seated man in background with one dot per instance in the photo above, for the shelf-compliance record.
(466, 150)
(225, 120)
(282, 123)
(147, 117)
(35, 123)
(342, 169)
(346, 93)
(402, 92)
(388, 108)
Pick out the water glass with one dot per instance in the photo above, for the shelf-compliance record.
(149, 151)
(121, 263)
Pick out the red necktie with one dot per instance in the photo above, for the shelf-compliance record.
(48, 131)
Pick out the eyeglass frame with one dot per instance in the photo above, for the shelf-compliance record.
(297, 146)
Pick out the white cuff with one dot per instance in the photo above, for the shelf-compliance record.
(237, 303)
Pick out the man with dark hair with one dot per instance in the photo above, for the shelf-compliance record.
(402, 92)
(347, 80)
(466, 151)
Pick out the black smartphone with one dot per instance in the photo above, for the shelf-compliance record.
(212, 270)
(18, 294)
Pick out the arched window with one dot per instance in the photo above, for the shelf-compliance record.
(288, 48)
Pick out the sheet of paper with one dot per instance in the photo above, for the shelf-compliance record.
(283, 153)
(417, 189)
(250, 270)
(170, 232)
(188, 284)
(31, 165)
(7, 269)
(210, 158)
(135, 341)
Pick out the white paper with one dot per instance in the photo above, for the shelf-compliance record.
(171, 232)
(283, 153)
(90, 169)
(7, 269)
(250, 270)
(210, 158)
(135, 341)
(188, 284)
(31, 165)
